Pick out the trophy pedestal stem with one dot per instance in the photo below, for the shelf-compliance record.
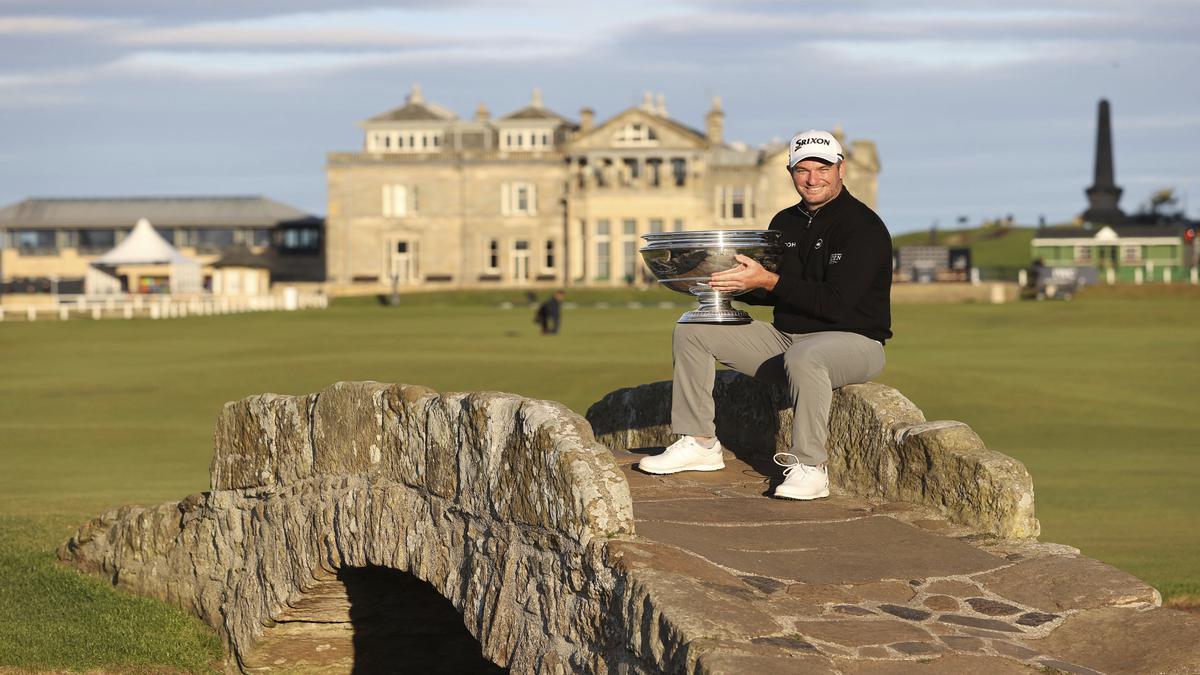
(715, 307)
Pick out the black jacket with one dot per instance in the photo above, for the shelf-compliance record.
(835, 273)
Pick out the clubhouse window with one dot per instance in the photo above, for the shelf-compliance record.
(35, 241)
(733, 203)
(636, 133)
(629, 249)
(548, 260)
(679, 170)
(300, 240)
(424, 140)
(259, 236)
(630, 254)
(97, 241)
(603, 250)
(492, 259)
(654, 171)
(399, 200)
(518, 199)
(212, 240)
(632, 168)
(527, 139)
(603, 259)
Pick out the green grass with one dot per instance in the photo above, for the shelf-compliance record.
(1096, 396)
(492, 298)
(55, 618)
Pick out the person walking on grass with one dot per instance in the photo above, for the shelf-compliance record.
(549, 313)
(832, 299)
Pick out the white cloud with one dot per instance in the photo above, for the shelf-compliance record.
(949, 55)
(1161, 121)
(1159, 180)
(375, 28)
(54, 25)
(237, 63)
(67, 77)
(243, 36)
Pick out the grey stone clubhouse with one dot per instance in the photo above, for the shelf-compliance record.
(534, 198)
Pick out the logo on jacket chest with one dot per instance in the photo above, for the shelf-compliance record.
(817, 246)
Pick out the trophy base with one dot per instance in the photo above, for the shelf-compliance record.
(715, 307)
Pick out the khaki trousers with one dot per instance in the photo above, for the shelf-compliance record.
(812, 365)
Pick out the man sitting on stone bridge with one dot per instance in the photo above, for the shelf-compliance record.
(832, 299)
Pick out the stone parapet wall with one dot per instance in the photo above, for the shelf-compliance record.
(492, 455)
(880, 446)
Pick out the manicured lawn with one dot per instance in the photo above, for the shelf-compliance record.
(1096, 396)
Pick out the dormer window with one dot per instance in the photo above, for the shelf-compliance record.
(527, 139)
(429, 140)
(636, 133)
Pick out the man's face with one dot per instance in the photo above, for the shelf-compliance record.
(817, 182)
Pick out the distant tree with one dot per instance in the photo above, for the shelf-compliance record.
(1162, 207)
(1161, 200)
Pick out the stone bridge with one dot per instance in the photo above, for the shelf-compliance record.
(364, 527)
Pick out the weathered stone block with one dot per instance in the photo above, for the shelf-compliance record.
(950, 664)
(1060, 582)
(262, 440)
(347, 428)
(1128, 640)
(946, 465)
(408, 433)
(859, 633)
(862, 423)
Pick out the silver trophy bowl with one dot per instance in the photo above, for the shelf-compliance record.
(685, 262)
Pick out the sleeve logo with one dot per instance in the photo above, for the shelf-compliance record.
(835, 258)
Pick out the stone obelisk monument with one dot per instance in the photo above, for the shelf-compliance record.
(1104, 193)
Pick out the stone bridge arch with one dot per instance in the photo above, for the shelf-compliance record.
(500, 503)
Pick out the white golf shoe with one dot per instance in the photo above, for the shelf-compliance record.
(801, 481)
(685, 454)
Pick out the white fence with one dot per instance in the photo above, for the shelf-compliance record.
(65, 307)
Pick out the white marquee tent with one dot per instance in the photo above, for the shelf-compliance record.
(143, 246)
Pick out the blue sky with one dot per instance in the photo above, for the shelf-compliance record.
(980, 108)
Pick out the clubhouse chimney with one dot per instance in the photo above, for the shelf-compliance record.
(714, 123)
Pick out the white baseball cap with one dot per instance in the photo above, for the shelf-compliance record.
(815, 144)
